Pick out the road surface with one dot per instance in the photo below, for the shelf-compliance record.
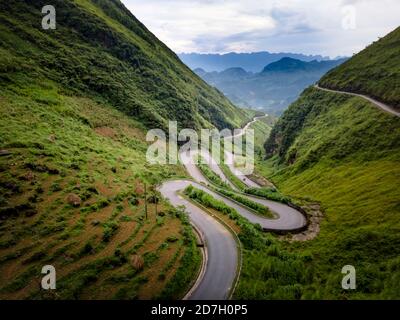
(221, 268)
(377, 103)
(222, 252)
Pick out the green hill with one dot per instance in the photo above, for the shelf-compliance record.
(101, 50)
(343, 152)
(75, 104)
(375, 71)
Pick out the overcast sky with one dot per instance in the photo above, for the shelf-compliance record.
(327, 27)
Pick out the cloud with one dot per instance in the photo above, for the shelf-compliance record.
(307, 26)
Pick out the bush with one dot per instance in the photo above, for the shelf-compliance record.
(234, 179)
(55, 187)
(211, 175)
(247, 202)
(208, 201)
(133, 200)
(267, 193)
(109, 229)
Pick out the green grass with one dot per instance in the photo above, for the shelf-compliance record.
(102, 51)
(210, 174)
(232, 178)
(207, 200)
(189, 267)
(77, 146)
(259, 208)
(374, 71)
(343, 153)
(267, 193)
(262, 128)
(268, 271)
(75, 104)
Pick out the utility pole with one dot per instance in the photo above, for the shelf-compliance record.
(156, 202)
(145, 199)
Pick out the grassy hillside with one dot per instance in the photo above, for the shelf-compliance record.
(72, 175)
(75, 104)
(375, 71)
(343, 152)
(102, 51)
(262, 129)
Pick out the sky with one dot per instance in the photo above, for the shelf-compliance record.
(328, 27)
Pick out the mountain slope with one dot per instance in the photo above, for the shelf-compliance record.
(274, 88)
(75, 105)
(374, 71)
(100, 49)
(343, 152)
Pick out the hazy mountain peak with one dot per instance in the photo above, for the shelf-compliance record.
(237, 71)
(286, 64)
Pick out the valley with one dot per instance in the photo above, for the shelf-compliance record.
(78, 192)
(272, 88)
(221, 247)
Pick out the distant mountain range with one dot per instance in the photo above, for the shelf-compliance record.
(274, 88)
(253, 62)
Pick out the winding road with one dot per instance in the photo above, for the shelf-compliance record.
(229, 157)
(222, 266)
(377, 103)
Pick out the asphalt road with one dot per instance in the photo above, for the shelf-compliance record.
(377, 103)
(229, 157)
(222, 252)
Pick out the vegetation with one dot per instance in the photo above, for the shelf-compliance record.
(210, 174)
(262, 129)
(231, 177)
(74, 106)
(75, 103)
(259, 208)
(374, 71)
(209, 201)
(101, 51)
(269, 271)
(190, 262)
(267, 193)
(343, 152)
(72, 196)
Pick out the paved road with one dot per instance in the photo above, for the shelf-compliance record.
(221, 246)
(230, 160)
(222, 252)
(243, 130)
(187, 160)
(377, 103)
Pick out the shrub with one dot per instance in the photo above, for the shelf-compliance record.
(211, 175)
(267, 193)
(109, 229)
(55, 187)
(247, 202)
